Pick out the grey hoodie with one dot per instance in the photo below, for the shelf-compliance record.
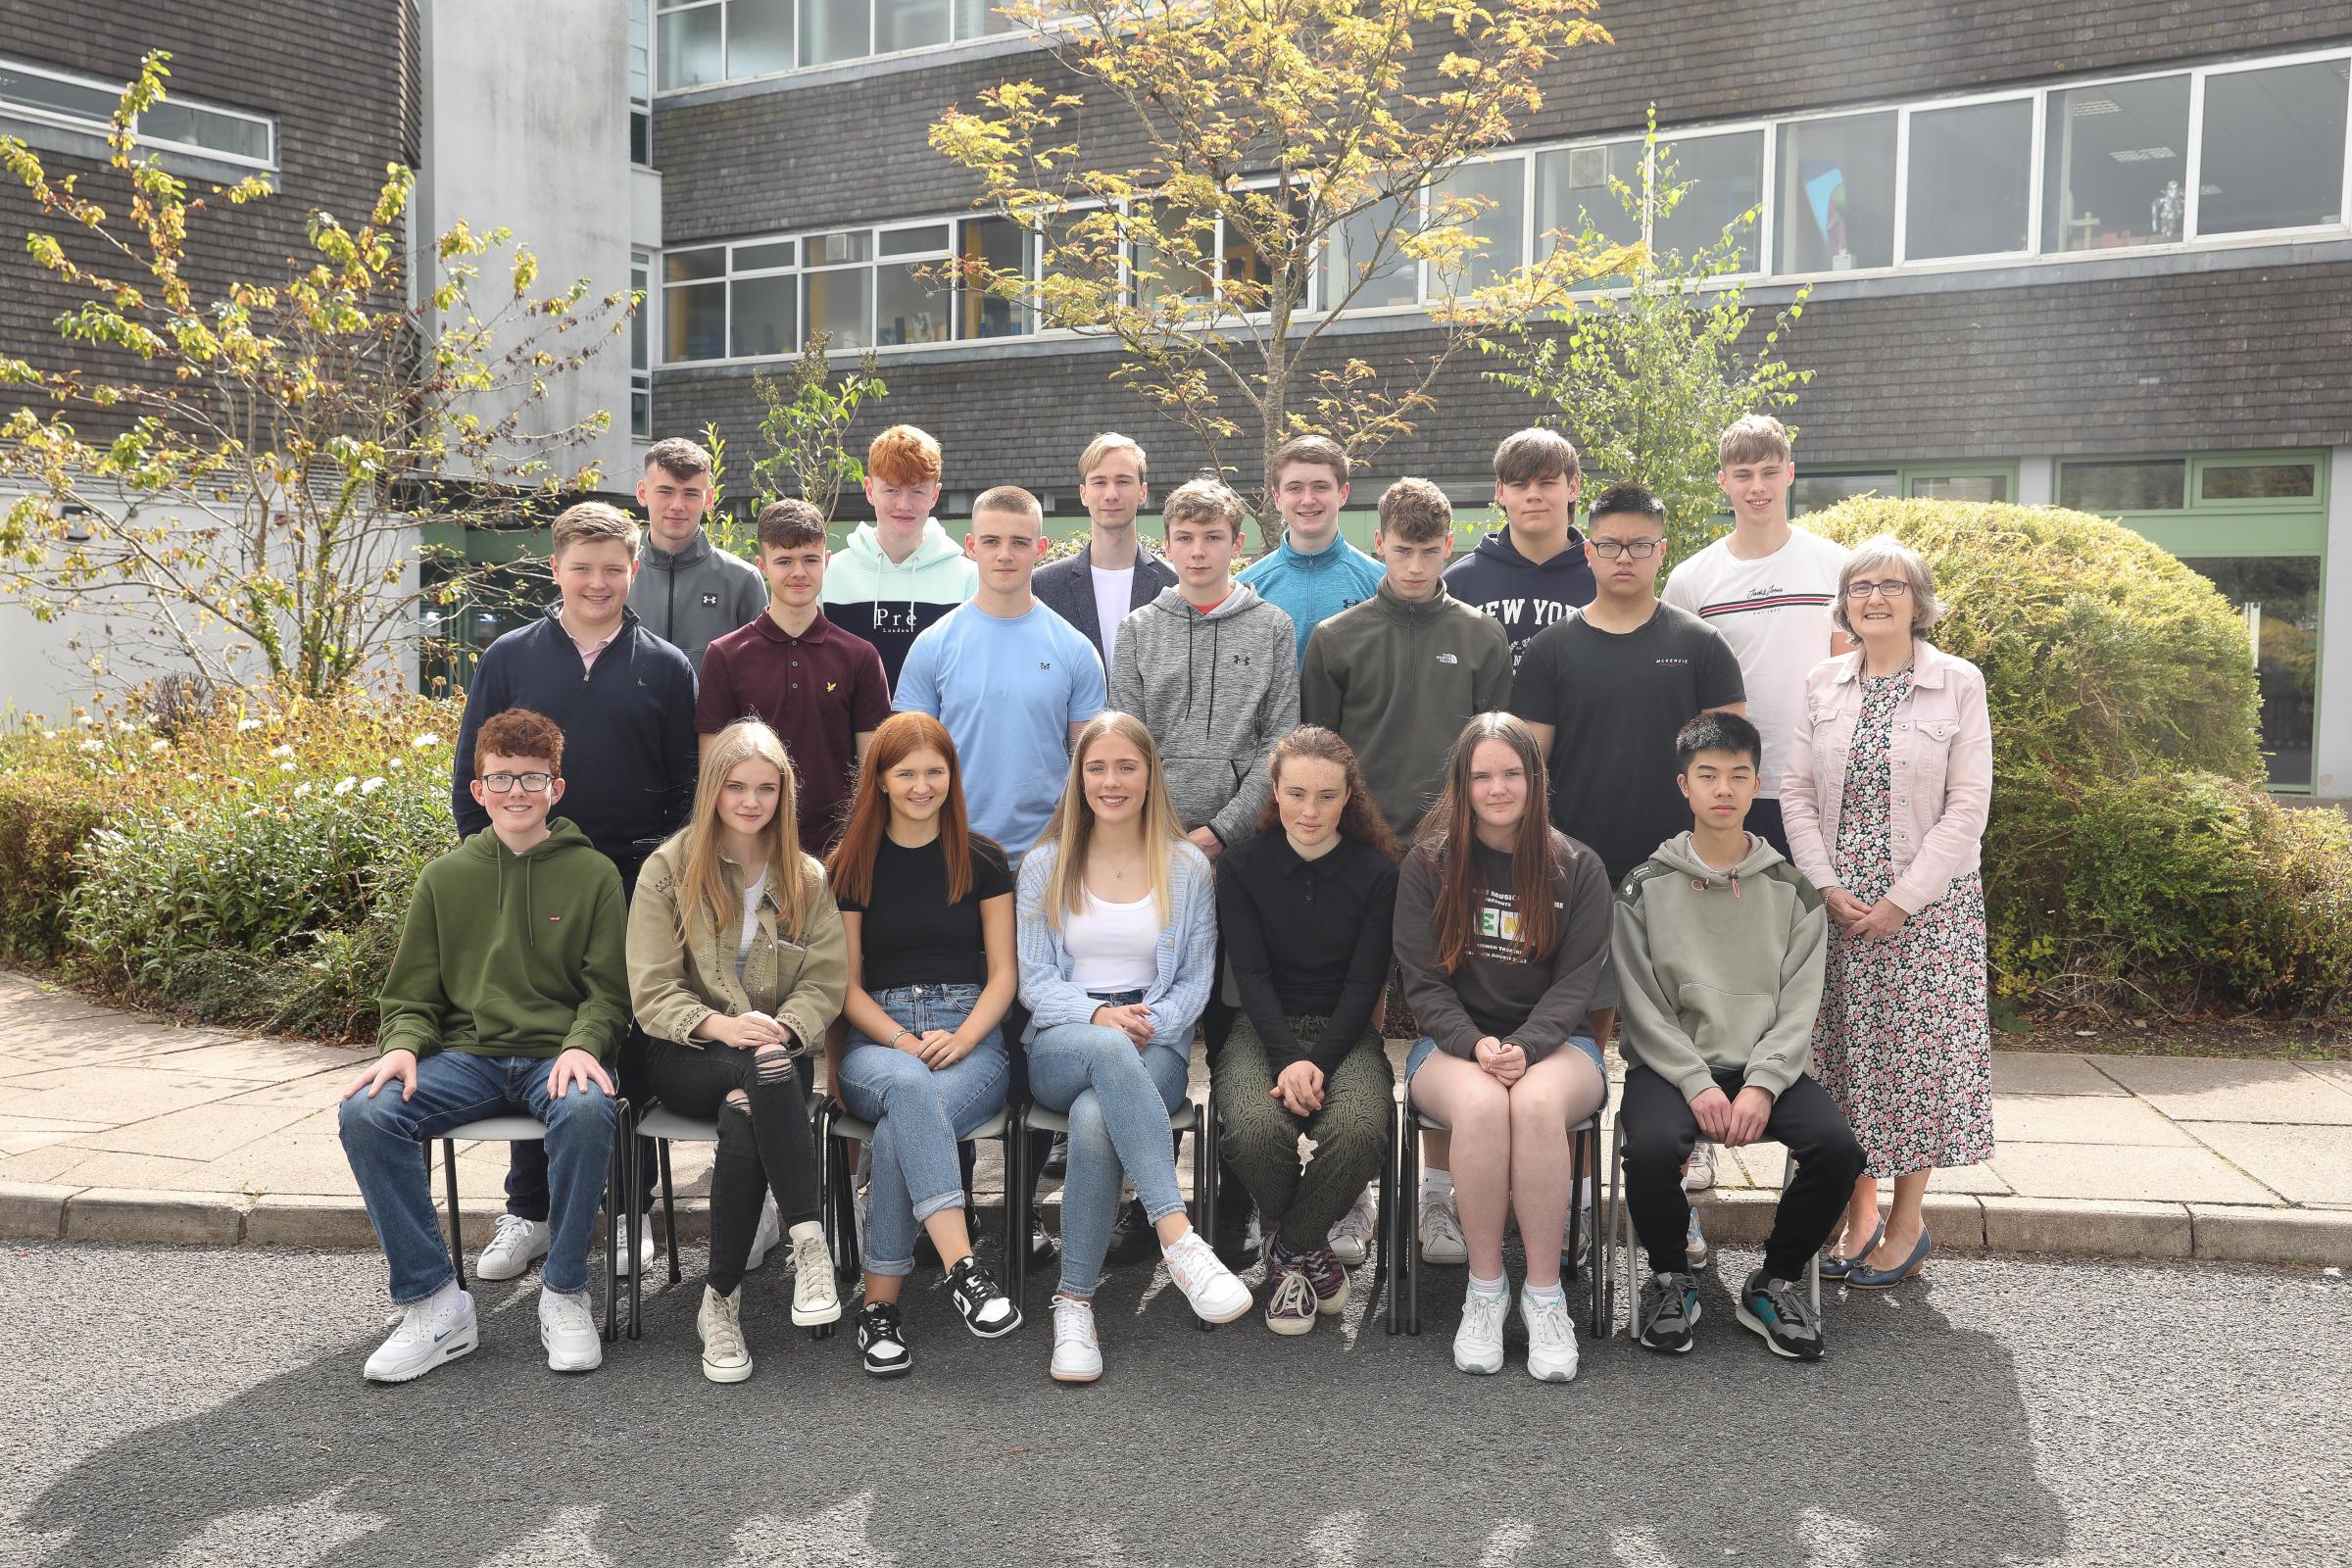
(697, 596)
(1719, 972)
(1216, 690)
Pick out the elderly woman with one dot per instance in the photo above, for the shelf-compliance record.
(1890, 778)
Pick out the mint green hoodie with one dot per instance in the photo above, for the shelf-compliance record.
(512, 954)
(1719, 972)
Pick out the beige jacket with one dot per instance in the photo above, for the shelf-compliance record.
(674, 986)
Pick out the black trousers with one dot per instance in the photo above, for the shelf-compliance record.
(1660, 1130)
(766, 1147)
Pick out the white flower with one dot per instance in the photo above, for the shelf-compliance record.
(396, 765)
(246, 726)
(92, 744)
(285, 767)
(159, 744)
(302, 788)
(425, 740)
(281, 751)
(195, 779)
(347, 786)
(371, 786)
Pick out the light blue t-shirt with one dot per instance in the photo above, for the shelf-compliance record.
(1007, 692)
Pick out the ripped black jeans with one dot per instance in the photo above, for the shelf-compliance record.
(764, 1141)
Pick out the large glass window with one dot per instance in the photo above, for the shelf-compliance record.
(1571, 190)
(2273, 149)
(1723, 177)
(2258, 481)
(45, 94)
(2280, 598)
(694, 303)
(1491, 209)
(911, 286)
(758, 37)
(982, 18)
(691, 39)
(2156, 484)
(1361, 255)
(2115, 159)
(1971, 170)
(1836, 194)
(641, 339)
(834, 29)
(1001, 244)
(912, 23)
(1812, 492)
(1978, 487)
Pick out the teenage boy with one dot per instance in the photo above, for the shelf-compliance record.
(625, 700)
(900, 572)
(821, 690)
(1208, 667)
(1313, 573)
(1767, 587)
(1719, 945)
(1532, 571)
(1399, 676)
(1096, 589)
(688, 591)
(508, 994)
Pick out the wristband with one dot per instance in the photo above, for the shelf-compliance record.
(903, 1033)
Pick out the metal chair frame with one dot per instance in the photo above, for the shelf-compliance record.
(835, 1128)
(1617, 1229)
(1584, 1159)
(529, 1130)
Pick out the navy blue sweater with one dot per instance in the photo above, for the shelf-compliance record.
(1524, 596)
(629, 754)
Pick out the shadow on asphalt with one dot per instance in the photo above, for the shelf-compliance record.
(1910, 1444)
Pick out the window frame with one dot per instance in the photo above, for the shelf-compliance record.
(63, 120)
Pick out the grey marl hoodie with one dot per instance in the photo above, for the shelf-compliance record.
(1216, 690)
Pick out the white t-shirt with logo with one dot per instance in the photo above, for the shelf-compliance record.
(1112, 591)
(1774, 612)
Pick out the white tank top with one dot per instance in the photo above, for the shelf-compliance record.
(1114, 946)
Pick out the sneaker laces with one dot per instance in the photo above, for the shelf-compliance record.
(1360, 1217)
(1437, 1215)
(1789, 1303)
(1547, 1321)
(1073, 1320)
(512, 1231)
(1292, 1296)
(1483, 1314)
(1191, 1262)
(722, 1329)
(569, 1310)
(810, 1257)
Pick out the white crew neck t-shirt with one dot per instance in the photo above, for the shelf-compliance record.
(1114, 946)
(1774, 612)
(1112, 591)
(751, 921)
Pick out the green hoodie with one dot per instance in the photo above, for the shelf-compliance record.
(1719, 972)
(512, 954)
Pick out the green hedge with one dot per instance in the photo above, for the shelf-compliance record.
(2132, 857)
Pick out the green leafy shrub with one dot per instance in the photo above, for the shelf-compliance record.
(2131, 854)
(45, 813)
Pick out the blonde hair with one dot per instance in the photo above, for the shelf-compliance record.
(1875, 554)
(1752, 438)
(590, 521)
(704, 902)
(1102, 446)
(1072, 829)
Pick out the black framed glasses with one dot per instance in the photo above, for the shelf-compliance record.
(1611, 549)
(1892, 588)
(532, 783)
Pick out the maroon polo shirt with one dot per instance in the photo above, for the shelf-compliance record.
(818, 691)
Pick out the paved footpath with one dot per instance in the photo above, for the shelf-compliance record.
(123, 1128)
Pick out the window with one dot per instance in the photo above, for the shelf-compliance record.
(1183, 267)
(1726, 179)
(1980, 482)
(1836, 194)
(691, 43)
(1000, 243)
(2139, 485)
(982, 18)
(834, 29)
(2258, 481)
(911, 287)
(48, 96)
(1361, 256)
(913, 25)
(641, 337)
(641, 82)
(1571, 190)
(1971, 174)
(2273, 153)
(1979, 487)
(693, 305)
(840, 297)
(2280, 598)
(2115, 163)
(1490, 207)
(1812, 492)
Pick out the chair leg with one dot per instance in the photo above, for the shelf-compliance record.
(1384, 1224)
(669, 1207)
(1576, 1209)
(1590, 1172)
(1409, 1189)
(456, 1235)
(1018, 1200)
(615, 1170)
(1204, 1197)
(638, 1218)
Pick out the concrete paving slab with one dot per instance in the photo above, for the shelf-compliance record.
(2102, 1228)
(265, 1062)
(47, 1165)
(24, 1143)
(305, 1163)
(200, 1131)
(2123, 1173)
(319, 1090)
(2084, 1119)
(2030, 1072)
(2302, 1165)
(2272, 1235)
(116, 1215)
(113, 1094)
(99, 1167)
(2199, 1089)
(1762, 1166)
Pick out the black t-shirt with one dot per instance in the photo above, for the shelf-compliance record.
(1615, 702)
(912, 935)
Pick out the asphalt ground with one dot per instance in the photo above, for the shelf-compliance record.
(164, 1405)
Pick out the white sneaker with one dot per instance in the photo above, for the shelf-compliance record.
(440, 1328)
(519, 1244)
(1478, 1343)
(726, 1358)
(1699, 1174)
(766, 1237)
(814, 1297)
(1695, 1242)
(1077, 1354)
(1216, 1293)
(1442, 1231)
(1550, 1340)
(1351, 1237)
(567, 1328)
(642, 1260)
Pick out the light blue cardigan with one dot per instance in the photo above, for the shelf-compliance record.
(1187, 956)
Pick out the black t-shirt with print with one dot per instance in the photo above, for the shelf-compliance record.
(1615, 700)
(912, 935)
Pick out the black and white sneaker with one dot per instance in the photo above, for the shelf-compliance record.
(1669, 1307)
(880, 1345)
(1777, 1309)
(987, 1310)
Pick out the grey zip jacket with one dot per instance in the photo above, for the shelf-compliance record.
(1719, 972)
(692, 598)
(1216, 690)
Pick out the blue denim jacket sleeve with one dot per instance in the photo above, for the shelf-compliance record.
(1187, 952)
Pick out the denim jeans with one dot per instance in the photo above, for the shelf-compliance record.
(1117, 1098)
(919, 1116)
(382, 1136)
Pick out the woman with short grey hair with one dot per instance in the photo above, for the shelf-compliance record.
(1888, 785)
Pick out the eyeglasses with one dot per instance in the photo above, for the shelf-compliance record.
(1611, 549)
(1890, 589)
(532, 783)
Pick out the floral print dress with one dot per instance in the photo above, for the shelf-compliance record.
(1904, 1040)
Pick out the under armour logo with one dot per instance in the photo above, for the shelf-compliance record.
(1242, 660)
(710, 601)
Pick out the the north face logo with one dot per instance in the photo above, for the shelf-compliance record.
(710, 601)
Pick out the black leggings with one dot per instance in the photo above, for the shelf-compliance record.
(764, 1141)
(1660, 1130)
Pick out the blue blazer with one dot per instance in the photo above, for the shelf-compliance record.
(1068, 588)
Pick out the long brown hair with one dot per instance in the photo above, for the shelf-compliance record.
(702, 898)
(1071, 830)
(1447, 836)
(1359, 819)
(900, 735)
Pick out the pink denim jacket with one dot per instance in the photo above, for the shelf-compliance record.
(1940, 783)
